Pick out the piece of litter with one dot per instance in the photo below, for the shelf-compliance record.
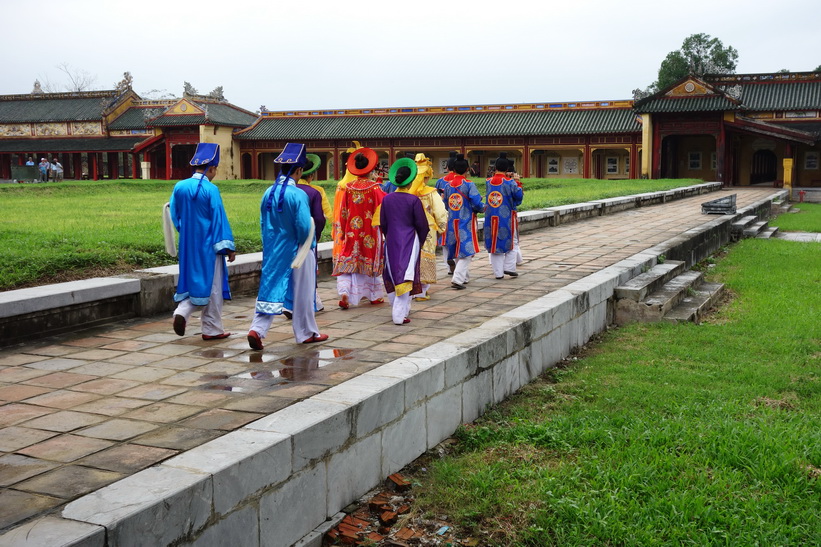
(441, 531)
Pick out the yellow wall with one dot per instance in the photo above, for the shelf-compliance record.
(230, 164)
(706, 146)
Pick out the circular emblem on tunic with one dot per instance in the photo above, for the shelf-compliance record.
(368, 242)
(455, 202)
(494, 199)
(357, 197)
(357, 223)
(689, 87)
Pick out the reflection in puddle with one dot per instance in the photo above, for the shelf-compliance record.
(215, 353)
(298, 368)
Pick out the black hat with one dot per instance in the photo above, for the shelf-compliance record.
(451, 159)
(502, 163)
(460, 164)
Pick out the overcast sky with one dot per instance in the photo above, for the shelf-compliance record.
(364, 53)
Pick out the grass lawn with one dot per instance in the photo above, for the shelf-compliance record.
(659, 434)
(808, 219)
(70, 230)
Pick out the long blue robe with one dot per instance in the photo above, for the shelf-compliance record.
(462, 201)
(502, 197)
(199, 216)
(282, 234)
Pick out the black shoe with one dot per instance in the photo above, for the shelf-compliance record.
(502, 277)
(512, 274)
(457, 286)
(451, 265)
(287, 314)
(179, 325)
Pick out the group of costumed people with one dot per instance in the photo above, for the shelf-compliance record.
(384, 237)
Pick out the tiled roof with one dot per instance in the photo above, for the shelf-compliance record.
(701, 103)
(134, 118)
(54, 107)
(218, 114)
(113, 144)
(484, 124)
(781, 96)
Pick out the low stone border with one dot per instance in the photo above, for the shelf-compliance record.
(26, 314)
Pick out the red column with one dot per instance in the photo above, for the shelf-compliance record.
(634, 160)
(526, 162)
(78, 167)
(254, 164)
(167, 160)
(586, 161)
(655, 165)
(94, 167)
(336, 163)
(113, 165)
(135, 160)
(721, 150)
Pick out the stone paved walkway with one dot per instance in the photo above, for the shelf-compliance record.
(81, 411)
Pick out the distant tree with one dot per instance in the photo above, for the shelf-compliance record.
(78, 80)
(700, 54)
(817, 69)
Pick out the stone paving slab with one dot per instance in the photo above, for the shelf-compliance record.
(84, 410)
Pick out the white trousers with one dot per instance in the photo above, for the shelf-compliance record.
(400, 307)
(211, 316)
(357, 286)
(461, 273)
(303, 320)
(503, 262)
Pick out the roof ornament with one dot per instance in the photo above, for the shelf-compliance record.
(37, 89)
(125, 84)
(734, 92)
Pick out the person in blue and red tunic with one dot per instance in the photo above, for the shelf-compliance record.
(463, 202)
(404, 223)
(502, 196)
(440, 187)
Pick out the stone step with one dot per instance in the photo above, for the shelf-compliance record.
(660, 302)
(768, 233)
(741, 224)
(754, 229)
(694, 306)
(638, 288)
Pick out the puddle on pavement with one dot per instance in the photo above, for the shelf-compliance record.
(298, 368)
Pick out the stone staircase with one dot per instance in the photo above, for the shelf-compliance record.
(666, 292)
(751, 226)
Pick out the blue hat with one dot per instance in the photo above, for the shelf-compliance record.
(292, 154)
(207, 155)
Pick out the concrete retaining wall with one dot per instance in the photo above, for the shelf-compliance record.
(283, 479)
(26, 314)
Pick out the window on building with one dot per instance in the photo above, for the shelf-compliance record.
(694, 161)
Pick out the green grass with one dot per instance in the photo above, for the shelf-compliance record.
(54, 232)
(661, 434)
(808, 219)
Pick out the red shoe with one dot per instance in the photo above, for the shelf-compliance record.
(343, 303)
(222, 336)
(406, 321)
(179, 325)
(254, 341)
(316, 338)
(377, 301)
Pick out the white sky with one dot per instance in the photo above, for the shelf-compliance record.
(330, 54)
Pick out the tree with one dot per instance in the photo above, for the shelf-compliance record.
(78, 80)
(700, 54)
(817, 69)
